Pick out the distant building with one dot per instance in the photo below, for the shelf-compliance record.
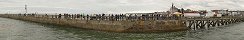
(194, 13)
(190, 11)
(173, 9)
(236, 13)
(223, 12)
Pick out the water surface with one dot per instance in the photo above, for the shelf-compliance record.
(11, 29)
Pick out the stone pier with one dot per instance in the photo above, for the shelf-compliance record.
(107, 25)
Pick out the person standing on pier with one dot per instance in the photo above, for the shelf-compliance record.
(103, 16)
(59, 15)
(87, 16)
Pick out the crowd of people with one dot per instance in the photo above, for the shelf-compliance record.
(108, 16)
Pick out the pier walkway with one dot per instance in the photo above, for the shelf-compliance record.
(125, 23)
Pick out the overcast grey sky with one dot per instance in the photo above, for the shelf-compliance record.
(113, 6)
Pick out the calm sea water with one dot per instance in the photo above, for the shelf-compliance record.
(11, 29)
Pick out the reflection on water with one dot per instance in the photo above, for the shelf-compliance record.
(21, 30)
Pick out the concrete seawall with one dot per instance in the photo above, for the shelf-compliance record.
(113, 26)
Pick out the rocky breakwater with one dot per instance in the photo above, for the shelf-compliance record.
(112, 26)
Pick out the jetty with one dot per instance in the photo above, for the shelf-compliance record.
(176, 19)
(123, 23)
(105, 23)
